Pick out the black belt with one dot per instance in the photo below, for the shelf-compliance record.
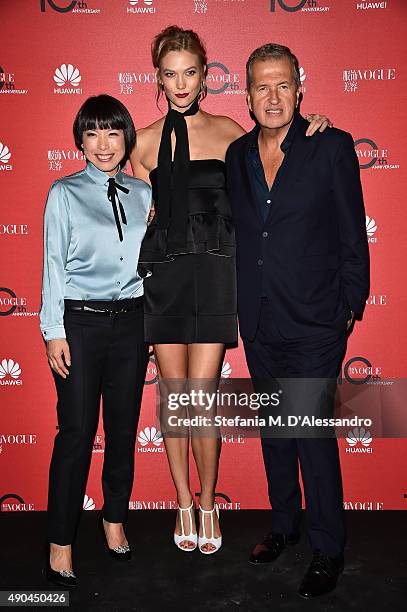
(109, 308)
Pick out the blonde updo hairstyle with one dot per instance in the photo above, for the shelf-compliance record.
(174, 38)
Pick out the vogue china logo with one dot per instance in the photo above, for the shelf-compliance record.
(292, 6)
(10, 304)
(359, 441)
(359, 371)
(17, 505)
(73, 6)
(17, 439)
(8, 85)
(371, 156)
(221, 80)
(151, 374)
(69, 76)
(5, 155)
(141, 6)
(129, 80)
(9, 373)
(70, 4)
(363, 505)
(150, 440)
(56, 157)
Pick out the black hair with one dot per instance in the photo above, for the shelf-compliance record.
(104, 112)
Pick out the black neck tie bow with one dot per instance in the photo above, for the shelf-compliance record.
(111, 196)
(172, 178)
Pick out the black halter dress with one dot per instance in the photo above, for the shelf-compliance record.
(190, 286)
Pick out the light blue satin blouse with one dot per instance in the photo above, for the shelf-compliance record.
(83, 256)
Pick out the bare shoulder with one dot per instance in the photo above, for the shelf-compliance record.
(230, 129)
(148, 135)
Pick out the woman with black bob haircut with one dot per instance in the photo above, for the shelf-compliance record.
(92, 322)
(105, 112)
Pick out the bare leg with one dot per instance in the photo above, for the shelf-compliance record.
(115, 535)
(60, 557)
(205, 362)
(172, 362)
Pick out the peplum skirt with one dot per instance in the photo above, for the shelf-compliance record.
(191, 298)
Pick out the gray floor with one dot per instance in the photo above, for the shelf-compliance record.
(162, 577)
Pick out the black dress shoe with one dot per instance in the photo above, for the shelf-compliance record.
(64, 578)
(321, 576)
(272, 546)
(120, 553)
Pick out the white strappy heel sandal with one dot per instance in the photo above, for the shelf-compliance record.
(216, 542)
(191, 537)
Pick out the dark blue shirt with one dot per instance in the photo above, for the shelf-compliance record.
(264, 195)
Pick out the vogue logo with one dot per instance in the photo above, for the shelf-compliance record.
(73, 6)
(365, 505)
(305, 6)
(19, 439)
(359, 371)
(151, 374)
(223, 80)
(20, 506)
(98, 444)
(10, 304)
(7, 83)
(5, 155)
(377, 299)
(368, 153)
(13, 229)
(67, 74)
(56, 157)
(59, 9)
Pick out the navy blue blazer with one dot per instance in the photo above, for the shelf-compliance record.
(310, 256)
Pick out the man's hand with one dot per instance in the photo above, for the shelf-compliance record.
(317, 122)
(59, 356)
(349, 323)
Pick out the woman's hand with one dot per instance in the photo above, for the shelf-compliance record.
(317, 122)
(59, 356)
(151, 214)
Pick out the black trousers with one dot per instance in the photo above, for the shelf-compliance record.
(109, 360)
(271, 356)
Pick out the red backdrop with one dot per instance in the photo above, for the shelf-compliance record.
(57, 53)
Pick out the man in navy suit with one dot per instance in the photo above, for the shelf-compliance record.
(303, 275)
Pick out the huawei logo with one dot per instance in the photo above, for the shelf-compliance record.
(4, 153)
(88, 503)
(359, 434)
(147, 2)
(67, 74)
(371, 226)
(226, 370)
(150, 434)
(10, 367)
(303, 76)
